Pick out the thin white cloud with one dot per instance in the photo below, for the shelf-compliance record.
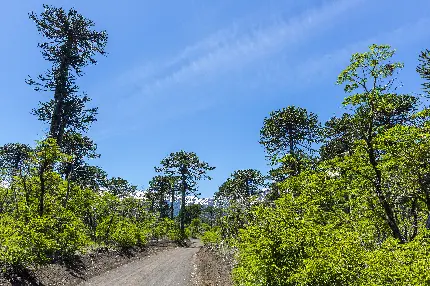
(397, 39)
(234, 48)
(270, 50)
(325, 66)
(150, 70)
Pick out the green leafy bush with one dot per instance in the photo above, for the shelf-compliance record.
(69, 232)
(40, 239)
(118, 231)
(162, 228)
(17, 247)
(124, 234)
(195, 228)
(212, 236)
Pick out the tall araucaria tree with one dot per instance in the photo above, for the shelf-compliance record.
(161, 187)
(188, 167)
(241, 185)
(70, 44)
(339, 137)
(288, 136)
(291, 131)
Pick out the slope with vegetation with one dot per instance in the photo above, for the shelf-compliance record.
(348, 201)
(53, 202)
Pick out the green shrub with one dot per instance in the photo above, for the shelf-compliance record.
(144, 234)
(161, 228)
(195, 228)
(16, 247)
(125, 234)
(212, 236)
(40, 239)
(174, 234)
(120, 232)
(70, 233)
(399, 264)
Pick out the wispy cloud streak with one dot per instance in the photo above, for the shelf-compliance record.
(234, 48)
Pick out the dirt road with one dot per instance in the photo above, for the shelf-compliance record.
(172, 267)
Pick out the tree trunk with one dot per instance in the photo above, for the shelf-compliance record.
(69, 173)
(424, 187)
(42, 189)
(24, 184)
(151, 207)
(414, 212)
(109, 227)
(172, 201)
(428, 222)
(183, 193)
(161, 200)
(56, 130)
(389, 214)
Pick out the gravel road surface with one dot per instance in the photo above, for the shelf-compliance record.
(173, 267)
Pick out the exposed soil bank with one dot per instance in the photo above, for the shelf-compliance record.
(212, 269)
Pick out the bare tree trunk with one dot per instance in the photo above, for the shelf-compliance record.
(428, 222)
(172, 200)
(24, 184)
(42, 189)
(183, 193)
(57, 126)
(69, 173)
(389, 214)
(414, 211)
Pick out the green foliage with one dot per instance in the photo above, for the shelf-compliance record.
(424, 69)
(166, 229)
(191, 213)
(40, 239)
(124, 233)
(18, 246)
(53, 204)
(358, 216)
(339, 137)
(311, 240)
(70, 44)
(160, 188)
(291, 130)
(28, 235)
(196, 228)
(120, 187)
(211, 236)
(241, 186)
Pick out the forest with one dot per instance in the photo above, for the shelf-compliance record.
(346, 202)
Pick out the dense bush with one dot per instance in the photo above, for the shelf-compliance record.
(40, 239)
(284, 248)
(211, 236)
(357, 214)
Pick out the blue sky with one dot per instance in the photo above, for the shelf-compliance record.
(202, 75)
